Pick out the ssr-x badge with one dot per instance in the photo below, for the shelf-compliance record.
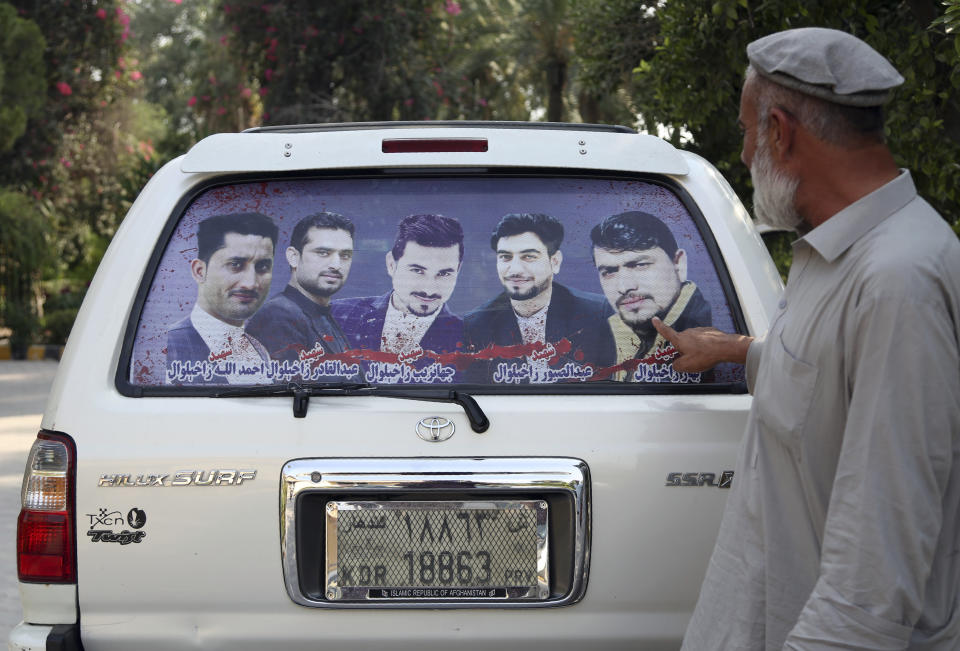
(700, 479)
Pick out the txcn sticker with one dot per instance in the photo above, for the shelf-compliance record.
(105, 523)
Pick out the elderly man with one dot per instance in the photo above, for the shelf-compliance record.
(843, 526)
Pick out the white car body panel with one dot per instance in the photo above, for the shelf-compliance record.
(269, 152)
(46, 603)
(208, 574)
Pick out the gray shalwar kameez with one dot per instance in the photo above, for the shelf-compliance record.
(842, 530)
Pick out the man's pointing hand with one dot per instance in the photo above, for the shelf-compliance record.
(703, 348)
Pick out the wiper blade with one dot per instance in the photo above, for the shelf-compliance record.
(301, 397)
(301, 394)
(291, 388)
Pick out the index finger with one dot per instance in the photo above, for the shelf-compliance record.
(668, 333)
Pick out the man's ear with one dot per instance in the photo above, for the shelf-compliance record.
(680, 264)
(391, 264)
(781, 132)
(293, 257)
(556, 260)
(198, 269)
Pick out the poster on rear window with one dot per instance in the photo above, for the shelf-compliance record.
(436, 281)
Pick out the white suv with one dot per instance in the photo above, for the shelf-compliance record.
(367, 385)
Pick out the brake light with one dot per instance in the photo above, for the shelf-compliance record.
(429, 145)
(46, 538)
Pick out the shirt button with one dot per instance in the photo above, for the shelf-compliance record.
(783, 304)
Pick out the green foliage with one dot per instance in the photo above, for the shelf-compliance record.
(318, 62)
(84, 40)
(693, 80)
(60, 306)
(23, 252)
(180, 53)
(611, 37)
(22, 81)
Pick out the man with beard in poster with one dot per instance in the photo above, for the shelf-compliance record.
(298, 320)
(643, 274)
(232, 270)
(423, 266)
(533, 308)
(842, 526)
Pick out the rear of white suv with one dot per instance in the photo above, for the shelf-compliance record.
(415, 477)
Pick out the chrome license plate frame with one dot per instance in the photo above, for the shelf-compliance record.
(381, 523)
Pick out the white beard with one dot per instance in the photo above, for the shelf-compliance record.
(774, 192)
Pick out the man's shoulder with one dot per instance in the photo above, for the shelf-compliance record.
(579, 304)
(279, 322)
(496, 305)
(184, 342)
(181, 327)
(275, 305)
(912, 249)
(350, 310)
(353, 303)
(582, 299)
(448, 317)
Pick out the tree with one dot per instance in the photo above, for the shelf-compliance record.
(693, 80)
(320, 62)
(189, 72)
(21, 74)
(23, 251)
(610, 38)
(85, 152)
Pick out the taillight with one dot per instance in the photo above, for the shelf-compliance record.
(46, 537)
(429, 145)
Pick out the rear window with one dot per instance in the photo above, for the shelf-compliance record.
(486, 281)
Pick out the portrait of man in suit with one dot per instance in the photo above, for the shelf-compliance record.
(643, 274)
(232, 271)
(423, 266)
(533, 308)
(298, 320)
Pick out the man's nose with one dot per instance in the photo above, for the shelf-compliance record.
(248, 277)
(626, 283)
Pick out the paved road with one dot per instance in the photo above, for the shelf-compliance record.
(23, 392)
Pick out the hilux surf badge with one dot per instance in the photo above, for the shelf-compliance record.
(181, 478)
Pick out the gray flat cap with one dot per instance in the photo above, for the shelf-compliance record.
(825, 63)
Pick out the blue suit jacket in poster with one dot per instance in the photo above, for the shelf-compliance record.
(185, 344)
(362, 319)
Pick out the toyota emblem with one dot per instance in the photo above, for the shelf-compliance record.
(435, 429)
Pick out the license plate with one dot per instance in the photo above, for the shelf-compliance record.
(451, 550)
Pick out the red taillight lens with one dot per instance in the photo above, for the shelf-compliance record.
(429, 145)
(46, 535)
(45, 547)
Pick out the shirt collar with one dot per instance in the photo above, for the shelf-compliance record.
(838, 233)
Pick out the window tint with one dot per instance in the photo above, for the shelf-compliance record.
(452, 280)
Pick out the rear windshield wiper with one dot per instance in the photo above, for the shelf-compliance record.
(302, 392)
